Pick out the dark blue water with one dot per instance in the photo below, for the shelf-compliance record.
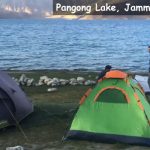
(62, 44)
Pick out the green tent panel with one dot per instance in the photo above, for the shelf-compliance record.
(116, 110)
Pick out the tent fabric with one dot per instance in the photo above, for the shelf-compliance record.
(143, 80)
(116, 74)
(14, 104)
(108, 138)
(113, 117)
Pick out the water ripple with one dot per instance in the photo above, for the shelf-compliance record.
(62, 44)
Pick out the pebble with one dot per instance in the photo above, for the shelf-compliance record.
(52, 89)
(15, 148)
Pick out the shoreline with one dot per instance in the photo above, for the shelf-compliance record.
(80, 17)
(145, 73)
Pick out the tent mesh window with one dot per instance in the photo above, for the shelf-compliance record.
(112, 96)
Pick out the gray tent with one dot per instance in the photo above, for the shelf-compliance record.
(14, 105)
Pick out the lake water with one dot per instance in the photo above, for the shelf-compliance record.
(76, 44)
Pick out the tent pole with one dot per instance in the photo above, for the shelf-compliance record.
(16, 121)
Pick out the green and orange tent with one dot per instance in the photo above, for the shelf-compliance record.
(116, 110)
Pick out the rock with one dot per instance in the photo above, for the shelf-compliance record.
(30, 82)
(64, 82)
(26, 80)
(54, 84)
(15, 148)
(47, 80)
(56, 80)
(96, 77)
(37, 84)
(43, 77)
(89, 82)
(52, 89)
(22, 78)
(40, 83)
(93, 82)
(80, 79)
(73, 81)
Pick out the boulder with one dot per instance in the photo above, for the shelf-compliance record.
(55, 82)
(22, 78)
(80, 79)
(49, 83)
(73, 81)
(64, 82)
(30, 82)
(47, 80)
(40, 83)
(43, 78)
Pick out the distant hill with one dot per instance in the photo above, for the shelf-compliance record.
(24, 8)
(118, 3)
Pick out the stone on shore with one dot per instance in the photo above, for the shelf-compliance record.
(53, 82)
(64, 82)
(15, 148)
(89, 82)
(73, 81)
(23, 80)
(80, 79)
(52, 89)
